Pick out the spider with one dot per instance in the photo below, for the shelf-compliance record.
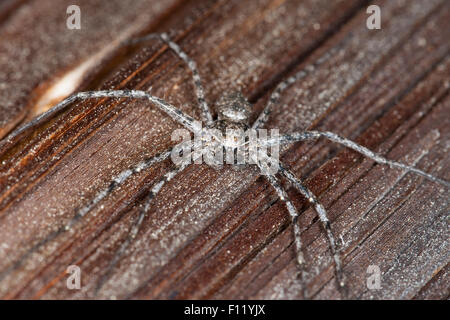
(233, 112)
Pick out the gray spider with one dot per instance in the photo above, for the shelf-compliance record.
(233, 113)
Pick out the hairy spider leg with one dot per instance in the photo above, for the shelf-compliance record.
(294, 217)
(323, 217)
(276, 93)
(117, 181)
(136, 227)
(310, 135)
(172, 111)
(199, 90)
(293, 213)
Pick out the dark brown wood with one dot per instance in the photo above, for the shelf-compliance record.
(221, 234)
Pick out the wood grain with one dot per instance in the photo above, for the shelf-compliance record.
(223, 234)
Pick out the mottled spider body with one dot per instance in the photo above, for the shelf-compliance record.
(233, 113)
(234, 108)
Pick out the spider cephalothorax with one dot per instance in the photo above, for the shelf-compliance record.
(229, 132)
(234, 108)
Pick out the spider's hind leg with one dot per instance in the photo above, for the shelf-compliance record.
(81, 212)
(199, 90)
(282, 194)
(136, 227)
(323, 217)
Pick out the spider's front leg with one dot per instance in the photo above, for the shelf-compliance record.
(312, 135)
(276, 94)
(199, 90)
(170, 110)
(176, 114)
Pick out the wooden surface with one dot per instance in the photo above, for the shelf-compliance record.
(223, 234)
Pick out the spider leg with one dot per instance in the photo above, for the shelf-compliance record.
(117, 181)
(200, 92)
(138, 223)
(282, 194)
(323, 217)
(275, 96)
(43, 116)
(308, 135)
(173, 112)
